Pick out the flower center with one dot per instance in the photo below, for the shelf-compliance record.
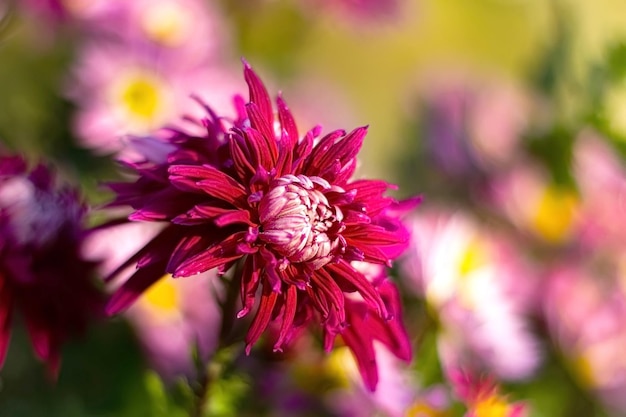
(162, 301)
(298, 221)
(492, 406)
(140, 98)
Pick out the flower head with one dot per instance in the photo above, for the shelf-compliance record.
(252, 191)
(42, 275)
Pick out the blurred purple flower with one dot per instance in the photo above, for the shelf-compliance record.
(473, 127)
(43, 277)
(285, 207)
(173, 319)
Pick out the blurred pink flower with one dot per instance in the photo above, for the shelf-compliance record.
(433, 401)
(175, 317)
(172, 318)
(139, 62)
(585, 307)
(85, 17)
(601, 179)
(480, 287)
(121, 92)
(539, 208)
(189, 32)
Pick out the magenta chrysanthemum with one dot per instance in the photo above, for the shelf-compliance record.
(252, 191)
(42, 274)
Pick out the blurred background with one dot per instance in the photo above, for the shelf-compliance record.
(507, 116)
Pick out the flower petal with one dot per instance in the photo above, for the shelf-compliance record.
(289, 312)
(357, 337)
(5, 321)
(343, 271)
(249, 284)
(214, 256)
(262, 317)
(210, 180)
(258, 94)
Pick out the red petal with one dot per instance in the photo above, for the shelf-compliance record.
(312, 167)
(210, 180)
(41, 338)
(241, 159)
(289, 312)
(345, 271)
(391, 332)
(261, 148)
(5, 321)
(370, 194)
(262, 317)
(288, 124)
(249, 284)
(258, 94)
(214, 256)
(344, 150)
(323, 284)
(358, 339)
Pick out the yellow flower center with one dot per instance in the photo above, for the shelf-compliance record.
(166, 23)
(555, 214)
(163, 297)
(473, 258)
(492, 406)
(584, 370)
(338, 365)
(141, 97)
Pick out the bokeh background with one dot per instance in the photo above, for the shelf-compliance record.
(508, 116)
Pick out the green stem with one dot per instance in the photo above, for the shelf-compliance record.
(200, 389)
(204, 376)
